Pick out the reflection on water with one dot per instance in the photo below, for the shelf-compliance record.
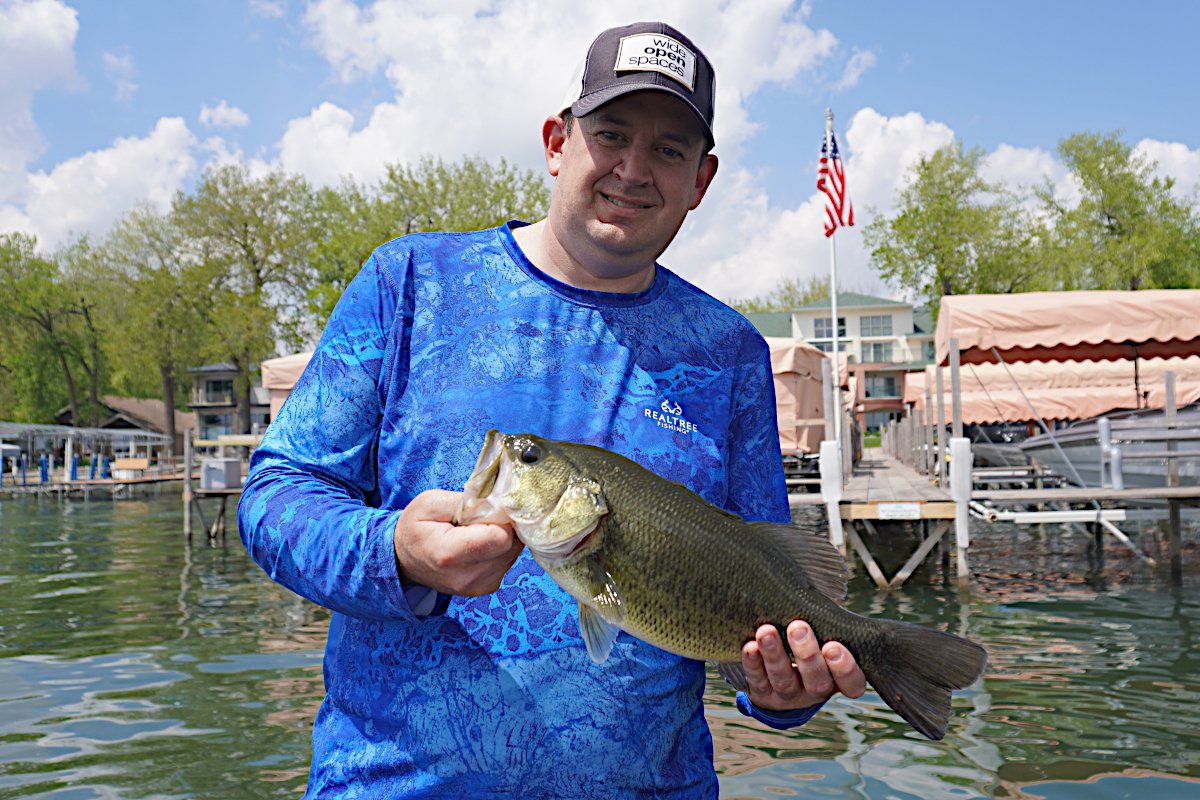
(133, 666)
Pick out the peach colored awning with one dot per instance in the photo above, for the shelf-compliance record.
(279, 375)
(1057, 389)
(1059, 326)
(799, 401)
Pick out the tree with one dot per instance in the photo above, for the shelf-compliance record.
(46, 311)
(88, 290)
(254, 237)
(160, 295)
(954, 233)
(788, 294)
(433, 195)
(1127, 231)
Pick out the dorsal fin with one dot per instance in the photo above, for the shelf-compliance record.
(815, 554)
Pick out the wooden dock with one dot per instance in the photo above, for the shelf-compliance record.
(882, 489)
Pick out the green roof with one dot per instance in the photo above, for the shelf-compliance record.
(771, 323)
(853, 300)
(923, 320)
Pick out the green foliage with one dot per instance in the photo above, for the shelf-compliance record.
(955, 233)
(1127, 230)
(239, 267)
(433, 195)
(790, 293)
(53, 307)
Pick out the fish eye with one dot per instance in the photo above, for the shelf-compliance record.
(531, 454)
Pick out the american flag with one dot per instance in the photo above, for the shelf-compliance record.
(832, 181)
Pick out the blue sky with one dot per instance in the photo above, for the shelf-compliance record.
(116, 102)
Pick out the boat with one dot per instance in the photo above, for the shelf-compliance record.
(1122, 449)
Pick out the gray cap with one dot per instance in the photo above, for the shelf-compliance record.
(641, 56)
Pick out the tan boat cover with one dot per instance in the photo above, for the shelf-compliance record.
(799, 400)
(1060, 326)
(1066, 390)
(279, 375)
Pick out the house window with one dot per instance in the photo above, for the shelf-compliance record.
(218, 391)
(877, 325)
(878, 386)
(929, 350)
(877, 352)
(823, 327)
(214, 425)
(827, 347)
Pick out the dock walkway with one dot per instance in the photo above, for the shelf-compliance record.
(881, 488)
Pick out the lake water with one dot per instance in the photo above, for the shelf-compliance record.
(135, 666)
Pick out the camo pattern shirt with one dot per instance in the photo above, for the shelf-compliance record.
(439, 338)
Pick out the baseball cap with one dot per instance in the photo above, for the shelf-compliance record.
(644, 56)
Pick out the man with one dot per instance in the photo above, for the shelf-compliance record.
(454, 666)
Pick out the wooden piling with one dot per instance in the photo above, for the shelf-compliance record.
(1174, 520)
(187, 485)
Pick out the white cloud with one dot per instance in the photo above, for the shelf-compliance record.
(271, 9)
(120, 69)
(1177, 161)
(860, 62)
(478, 78)
(88, 193)
(1022, 168)
(37, 41)
(737, 245)
(223, 115)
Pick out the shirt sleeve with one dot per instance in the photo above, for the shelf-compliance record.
(306, 514)
(780, 720)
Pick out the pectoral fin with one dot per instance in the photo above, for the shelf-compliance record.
(599, 621)
(605, 596)
(598, 633)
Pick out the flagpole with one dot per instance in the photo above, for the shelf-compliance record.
(837, 373)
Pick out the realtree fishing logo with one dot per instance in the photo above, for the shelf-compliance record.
(644, 52)
(671, 417)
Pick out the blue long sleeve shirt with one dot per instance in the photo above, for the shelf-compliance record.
(439, 338)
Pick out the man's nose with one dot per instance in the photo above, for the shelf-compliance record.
(634, 166)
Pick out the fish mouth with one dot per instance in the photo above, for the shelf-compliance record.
(480, 501)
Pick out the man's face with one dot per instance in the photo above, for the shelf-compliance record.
(626, 176)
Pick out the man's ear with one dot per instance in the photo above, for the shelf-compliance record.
(704, 178)
(554, 136)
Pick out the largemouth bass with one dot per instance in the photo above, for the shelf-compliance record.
(650, 557)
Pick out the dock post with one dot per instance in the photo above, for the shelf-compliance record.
(187, 485)
(831, 490)
(955, 389)
(960, 492)
(1174, 521)
(942, 452)
(827, 397)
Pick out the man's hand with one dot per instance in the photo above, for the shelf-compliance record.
(776, 684)
(463, 560)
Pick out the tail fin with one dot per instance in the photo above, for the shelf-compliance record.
(919, 669)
